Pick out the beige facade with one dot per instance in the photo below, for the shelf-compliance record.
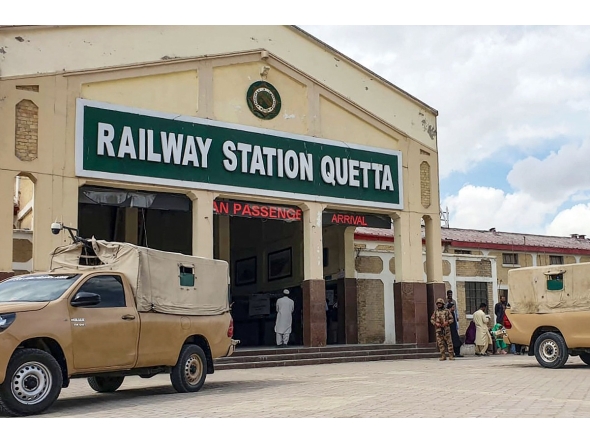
(203, 72)
(473, 266)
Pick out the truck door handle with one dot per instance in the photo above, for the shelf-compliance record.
(128, 317)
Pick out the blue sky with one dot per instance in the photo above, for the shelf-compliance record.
(514, 115)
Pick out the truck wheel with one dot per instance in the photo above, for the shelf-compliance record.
(33, 383)
(189, 373)
(551, 350)
(105, 384)
(585, 357)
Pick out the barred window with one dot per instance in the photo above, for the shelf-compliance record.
(555, 260)
(475, 294)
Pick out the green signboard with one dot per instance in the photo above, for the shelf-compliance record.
(119, 143)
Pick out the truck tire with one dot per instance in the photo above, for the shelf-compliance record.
(33, 383)
(189, 373)
(585, 357)
(551, 350)
(105, 384)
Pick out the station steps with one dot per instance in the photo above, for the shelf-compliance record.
(292, 356)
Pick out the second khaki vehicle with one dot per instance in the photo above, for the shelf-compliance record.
(105, 311)
(550, 312)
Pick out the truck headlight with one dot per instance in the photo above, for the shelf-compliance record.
(6, 320)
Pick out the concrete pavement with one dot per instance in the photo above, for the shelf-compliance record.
(495, 386)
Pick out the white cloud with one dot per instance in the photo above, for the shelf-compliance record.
(573, 220)
(555, 178)
(482, 208)
(541, 187)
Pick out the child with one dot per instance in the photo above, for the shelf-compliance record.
(499, 332)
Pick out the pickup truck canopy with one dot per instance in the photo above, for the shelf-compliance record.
(549, 289)
(161, 281)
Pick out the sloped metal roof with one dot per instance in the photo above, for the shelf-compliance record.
(493, 239)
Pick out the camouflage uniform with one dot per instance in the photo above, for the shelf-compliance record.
(443, 334)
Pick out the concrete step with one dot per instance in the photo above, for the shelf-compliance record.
(287, 355)
(220, 365)
(259, 351)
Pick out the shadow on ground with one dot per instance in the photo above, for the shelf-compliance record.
(157, 395)
(537, 365)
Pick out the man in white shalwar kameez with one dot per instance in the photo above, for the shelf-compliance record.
(482, 333)
(285, 307)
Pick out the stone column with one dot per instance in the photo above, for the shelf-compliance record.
(44, 198)
(314, 287)
(433, 250)
(223, 238)
(435, 287)
(350, 303)
(7, 180)
(202, 223)
(410, 293)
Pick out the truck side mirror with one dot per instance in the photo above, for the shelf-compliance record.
(84, 299)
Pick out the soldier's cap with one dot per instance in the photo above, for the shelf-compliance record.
(440, 301)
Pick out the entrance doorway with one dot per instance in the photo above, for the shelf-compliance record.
(156, 220)
(263, 245)
(342, 301)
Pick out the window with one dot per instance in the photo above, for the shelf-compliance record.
(555, 260)
(462, 251)
(510, 259)
(503, 292)
(555, 282)
(187, 276)
(475, 294)
(326, 256)
(110, 289)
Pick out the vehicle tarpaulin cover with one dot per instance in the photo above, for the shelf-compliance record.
(161, 281)
(549, 289)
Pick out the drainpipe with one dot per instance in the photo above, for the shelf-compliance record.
(17, 197)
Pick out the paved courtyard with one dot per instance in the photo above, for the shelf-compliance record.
(495, 386)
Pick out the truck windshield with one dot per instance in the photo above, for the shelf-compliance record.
(39, 288)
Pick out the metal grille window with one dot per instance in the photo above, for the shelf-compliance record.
(510, 259)
(475, 294)
(555, 260)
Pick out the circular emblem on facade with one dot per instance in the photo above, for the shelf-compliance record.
(263, 100)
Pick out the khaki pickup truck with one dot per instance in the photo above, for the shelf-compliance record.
(131, 311)
(550, 312)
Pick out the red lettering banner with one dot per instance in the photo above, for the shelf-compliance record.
(358, 220)
(256, 210)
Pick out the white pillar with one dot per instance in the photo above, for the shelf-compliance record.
(313, 259)
(202, 223)
(6, 216)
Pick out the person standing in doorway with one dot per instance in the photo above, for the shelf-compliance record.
(483, 339)
(442, 319)
(285, 307)
(452, 307)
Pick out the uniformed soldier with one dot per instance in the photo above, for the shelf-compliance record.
(442, 319)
